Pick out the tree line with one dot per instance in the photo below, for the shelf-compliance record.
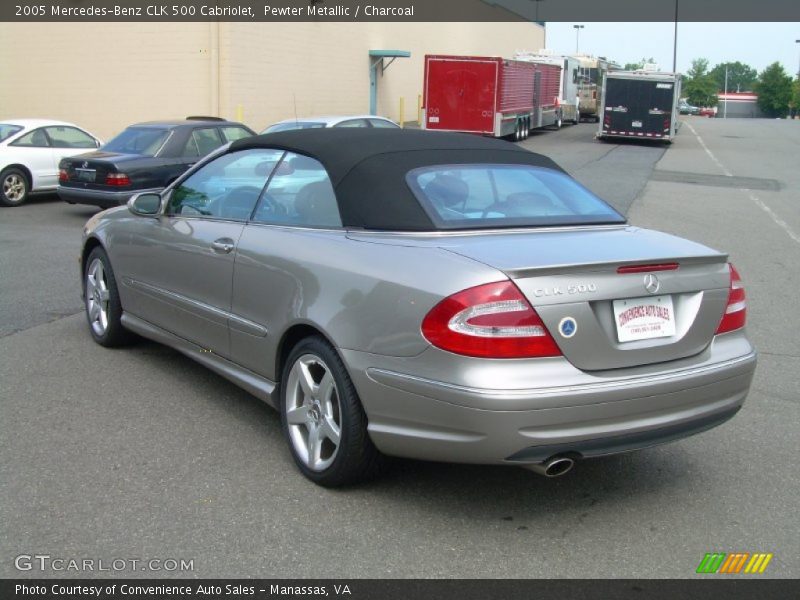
(778, 93)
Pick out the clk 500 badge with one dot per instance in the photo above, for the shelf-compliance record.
(572, 288)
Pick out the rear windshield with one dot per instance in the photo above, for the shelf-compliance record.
(488, 196)
(294, 125)
(7, 130)
(138, 140)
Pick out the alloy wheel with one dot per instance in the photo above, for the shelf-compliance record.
(14, 188)
(313, 412)
(97, 296)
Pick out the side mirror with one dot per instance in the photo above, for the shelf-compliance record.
(146, 204)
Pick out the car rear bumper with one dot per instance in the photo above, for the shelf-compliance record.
(416, 417)
(101, 198)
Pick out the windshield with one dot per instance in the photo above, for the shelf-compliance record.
(294, 125)
(487, 196)
(7, 130)
(138, 140)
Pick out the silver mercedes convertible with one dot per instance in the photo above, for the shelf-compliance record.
(426, 295)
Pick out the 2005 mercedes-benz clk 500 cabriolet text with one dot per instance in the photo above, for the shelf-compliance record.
(428, 295)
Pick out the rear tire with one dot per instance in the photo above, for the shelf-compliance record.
(322, 417)
(101, 301)
(14, 187)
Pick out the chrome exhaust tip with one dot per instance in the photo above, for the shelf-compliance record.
(553, 467)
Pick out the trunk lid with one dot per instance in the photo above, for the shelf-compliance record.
(570, 276)
(89, 170)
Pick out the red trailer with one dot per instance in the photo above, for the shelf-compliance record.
(490, 95)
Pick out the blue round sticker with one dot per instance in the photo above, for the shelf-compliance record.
(567, 327)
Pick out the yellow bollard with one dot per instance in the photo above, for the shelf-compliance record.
(402, 110)
(240, 113)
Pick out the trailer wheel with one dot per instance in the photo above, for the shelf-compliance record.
(527, 128)
(558, 122)
(518, 131)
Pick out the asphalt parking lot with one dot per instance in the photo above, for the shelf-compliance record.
(141, 453)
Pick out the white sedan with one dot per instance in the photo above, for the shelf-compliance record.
(332, 121)
(29, 153)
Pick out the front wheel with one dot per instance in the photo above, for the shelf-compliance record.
(15, 188)
(322, 417)
(101, 300)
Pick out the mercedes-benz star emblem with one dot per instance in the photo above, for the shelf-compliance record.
(651, 283)
(85, 164)
(568, 327)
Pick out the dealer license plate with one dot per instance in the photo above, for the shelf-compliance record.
(644, 318)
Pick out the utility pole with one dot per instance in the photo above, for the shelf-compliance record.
(725, 100)
(577, 37)
(798, 61)
(675, 42)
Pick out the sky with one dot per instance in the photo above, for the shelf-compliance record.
(755, 44)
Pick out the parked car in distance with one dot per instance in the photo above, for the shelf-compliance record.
(687, 109)
(437, 296)
(334, 121)
(708, 111)
(144, 157)
(30, 150)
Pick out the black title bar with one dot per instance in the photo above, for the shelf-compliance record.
(400, 10)
(401, 589)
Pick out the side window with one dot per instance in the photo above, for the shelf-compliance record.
(190, 149)
(380, 123)
(207, 140)
(70, 137)
(226, 188)
(35, 139)
(353, 123)
(299, 193)
(231, 134)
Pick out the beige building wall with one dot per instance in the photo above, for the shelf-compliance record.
(105, 76)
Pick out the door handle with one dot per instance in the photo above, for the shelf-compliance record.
(222, 245)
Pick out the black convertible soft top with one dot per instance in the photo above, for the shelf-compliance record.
(368, 167)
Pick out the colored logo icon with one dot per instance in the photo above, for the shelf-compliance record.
(734, 563)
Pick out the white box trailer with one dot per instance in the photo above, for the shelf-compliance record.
(568, 98)
(640, 104)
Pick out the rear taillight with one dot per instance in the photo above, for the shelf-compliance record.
(117, 179)
(63, 175)
(736, 309)
(489, 321)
